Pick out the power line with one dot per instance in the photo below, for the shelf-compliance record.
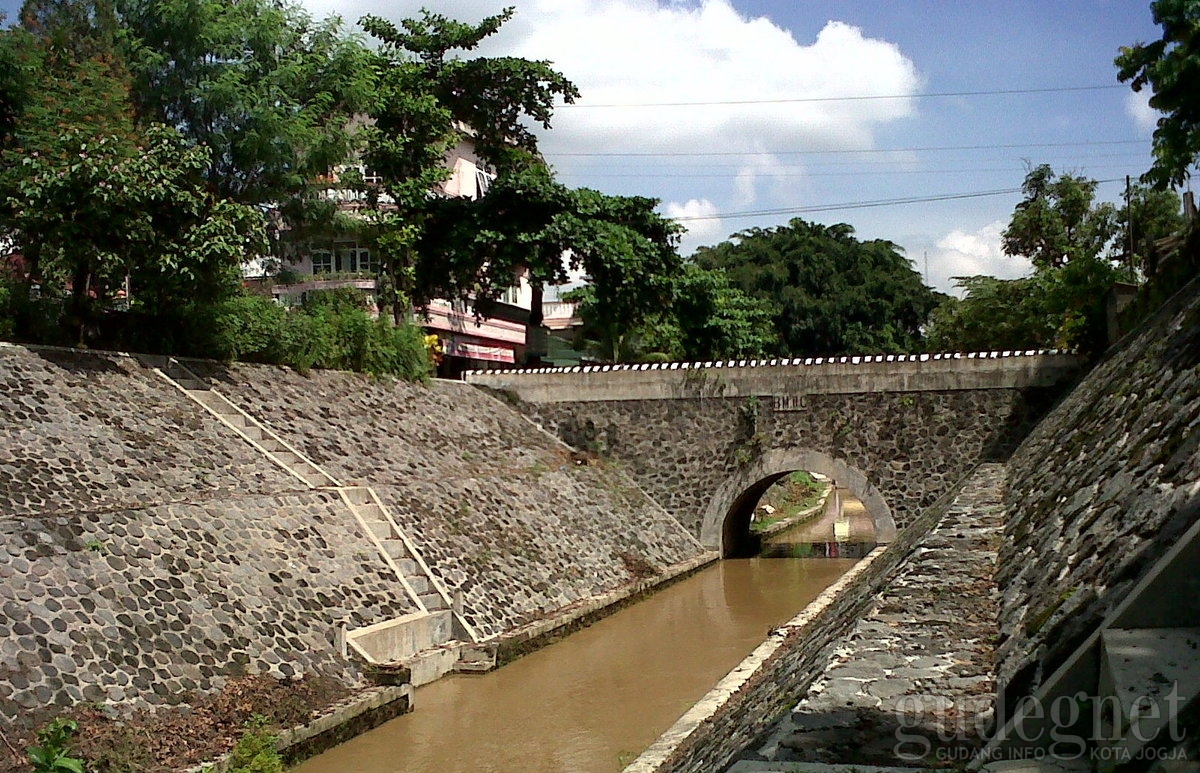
(932, 148)
(773, 173)
(872, 163)
(858, 98)
(856, 205)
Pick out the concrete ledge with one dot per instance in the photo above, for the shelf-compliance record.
(363, 711)
(740, 677)
(786, 379)
(394, 640)
(522, 641)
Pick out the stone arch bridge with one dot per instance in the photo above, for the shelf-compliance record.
(707, 439)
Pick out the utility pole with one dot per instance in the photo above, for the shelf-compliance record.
(1129, 220)
(927, 267)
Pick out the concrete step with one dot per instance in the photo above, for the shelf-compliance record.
(268, 443)
(408, 566)
(398, 552)
(420, 585)
(475, 659)
(286, 457)
(189, 383)
(400, 639)
(359, 496)
(433, 601)
(1153, 674)
(371, 512)
(381, 529)
(314, 477)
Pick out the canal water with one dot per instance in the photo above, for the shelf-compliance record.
(598, 698)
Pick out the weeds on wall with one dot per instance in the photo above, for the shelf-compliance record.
(255, 751)
(751, 439)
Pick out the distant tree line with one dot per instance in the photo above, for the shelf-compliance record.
(148, 149)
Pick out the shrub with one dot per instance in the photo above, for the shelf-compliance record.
(51, 755)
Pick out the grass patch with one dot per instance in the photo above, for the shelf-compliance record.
(790, 496)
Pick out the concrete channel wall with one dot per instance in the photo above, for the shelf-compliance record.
(150, 552)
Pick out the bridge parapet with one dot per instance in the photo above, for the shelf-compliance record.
(786, 378)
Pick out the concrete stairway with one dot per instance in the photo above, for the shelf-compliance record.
(258, 435)
(396, 549)
(1140, 669)
(430, 640)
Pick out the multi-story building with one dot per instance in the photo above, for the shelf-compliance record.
(340, 260)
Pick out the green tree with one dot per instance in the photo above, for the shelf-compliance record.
(1059, 220)
(1072, 241)
(994, 314)
(718, 321)
(113, 214)
(430, 99)
(1170, 66)
(267, 89)
(829, 292)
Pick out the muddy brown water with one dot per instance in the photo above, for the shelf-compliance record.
(596, 699)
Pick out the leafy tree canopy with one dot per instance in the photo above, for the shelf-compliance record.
(1170, 66)
(430, 98)
(1059, 220)
(829, 292)
(528, 220)
(267, 89)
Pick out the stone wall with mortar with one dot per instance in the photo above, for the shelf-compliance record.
(505, 515)
(1102, 488)
(147, 551)
(87, 431)
(139, 606)
(689, 452)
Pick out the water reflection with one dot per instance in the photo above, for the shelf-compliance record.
(843, 530)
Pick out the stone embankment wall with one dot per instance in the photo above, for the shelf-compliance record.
(146, 550)
(1102, 488)
(503, 513)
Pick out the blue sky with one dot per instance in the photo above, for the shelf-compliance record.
(802, 137)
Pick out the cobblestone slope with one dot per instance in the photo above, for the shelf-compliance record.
(140, 606)
(82, 431)
(505, 515)
(921, 662)
(1099, 490)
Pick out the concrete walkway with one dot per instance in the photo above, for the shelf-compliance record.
(912, 685)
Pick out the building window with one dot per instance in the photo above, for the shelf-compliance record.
(483, 180)
(355, 259)
(512, 296)
(322, 262)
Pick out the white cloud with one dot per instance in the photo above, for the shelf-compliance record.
(1137, 106)
(708, 231)
(631, 52)
(963, 253)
